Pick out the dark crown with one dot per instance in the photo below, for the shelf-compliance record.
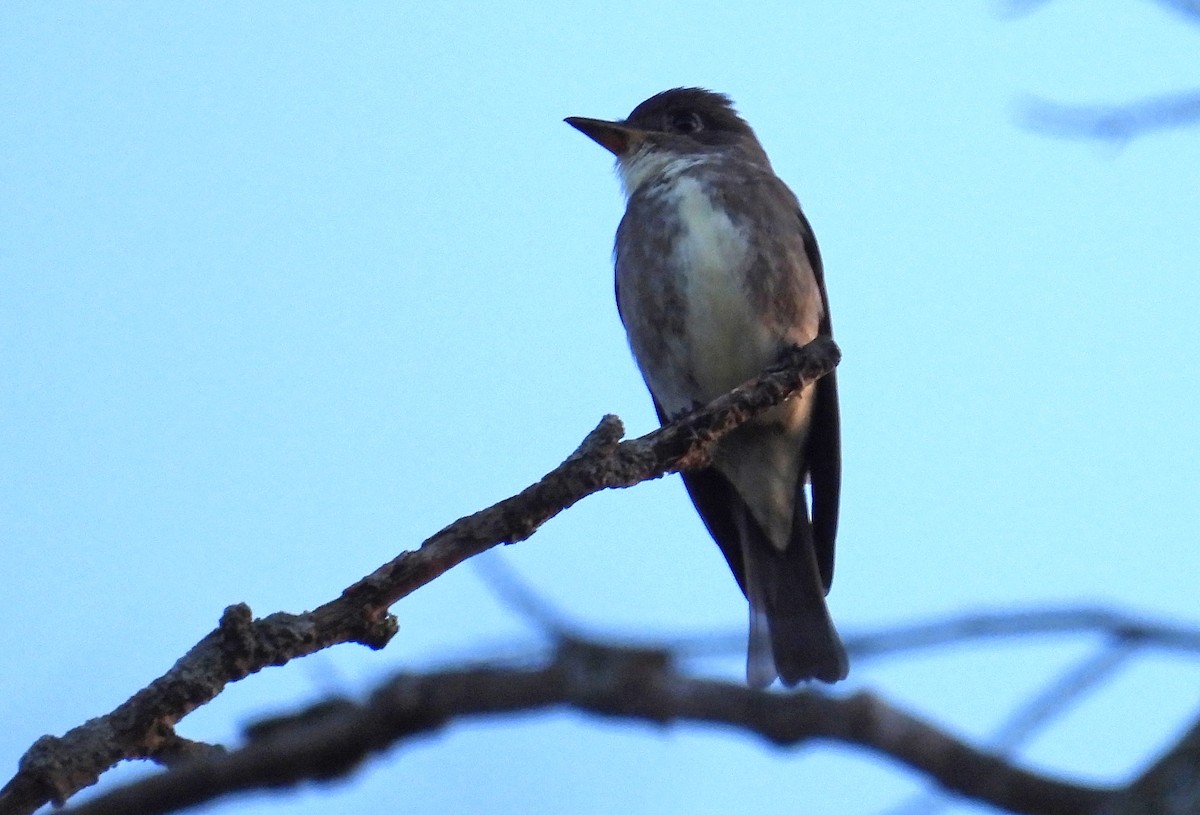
(703, 116)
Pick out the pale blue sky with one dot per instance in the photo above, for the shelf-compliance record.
(287, 287)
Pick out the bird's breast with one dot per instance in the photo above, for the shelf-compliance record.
(718, 340)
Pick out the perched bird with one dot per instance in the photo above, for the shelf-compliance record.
(717, 271)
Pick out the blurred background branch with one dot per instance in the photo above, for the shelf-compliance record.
(1113, 122)
(641, 683)
(1116, 123)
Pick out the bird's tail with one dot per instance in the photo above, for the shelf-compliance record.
(791, 633)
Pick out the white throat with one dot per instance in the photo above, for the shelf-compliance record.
(646, 163)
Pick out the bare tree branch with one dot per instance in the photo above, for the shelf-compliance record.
(1033, 715)
(513, 592)
(54, 768)
(635, 684)
(1171, 786)
(1122, 637)
(641, 683)
(972, 626)
(1187, 8)
(989, 624)
(1115, 123)
(1018, 7)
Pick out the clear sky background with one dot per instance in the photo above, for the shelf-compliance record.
(287, 287)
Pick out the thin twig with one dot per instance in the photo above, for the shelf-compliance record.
(1112, 123)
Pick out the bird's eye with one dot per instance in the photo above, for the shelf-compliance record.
(685, 122)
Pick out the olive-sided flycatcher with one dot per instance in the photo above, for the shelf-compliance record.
(717, 272)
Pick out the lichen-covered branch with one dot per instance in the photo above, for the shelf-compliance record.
(143, 727)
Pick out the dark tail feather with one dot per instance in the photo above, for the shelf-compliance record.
(791, 633)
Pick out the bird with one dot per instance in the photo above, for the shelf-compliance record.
(717, 273)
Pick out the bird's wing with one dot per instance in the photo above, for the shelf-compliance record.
(823, 448)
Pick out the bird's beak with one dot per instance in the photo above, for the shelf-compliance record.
(616, 137)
